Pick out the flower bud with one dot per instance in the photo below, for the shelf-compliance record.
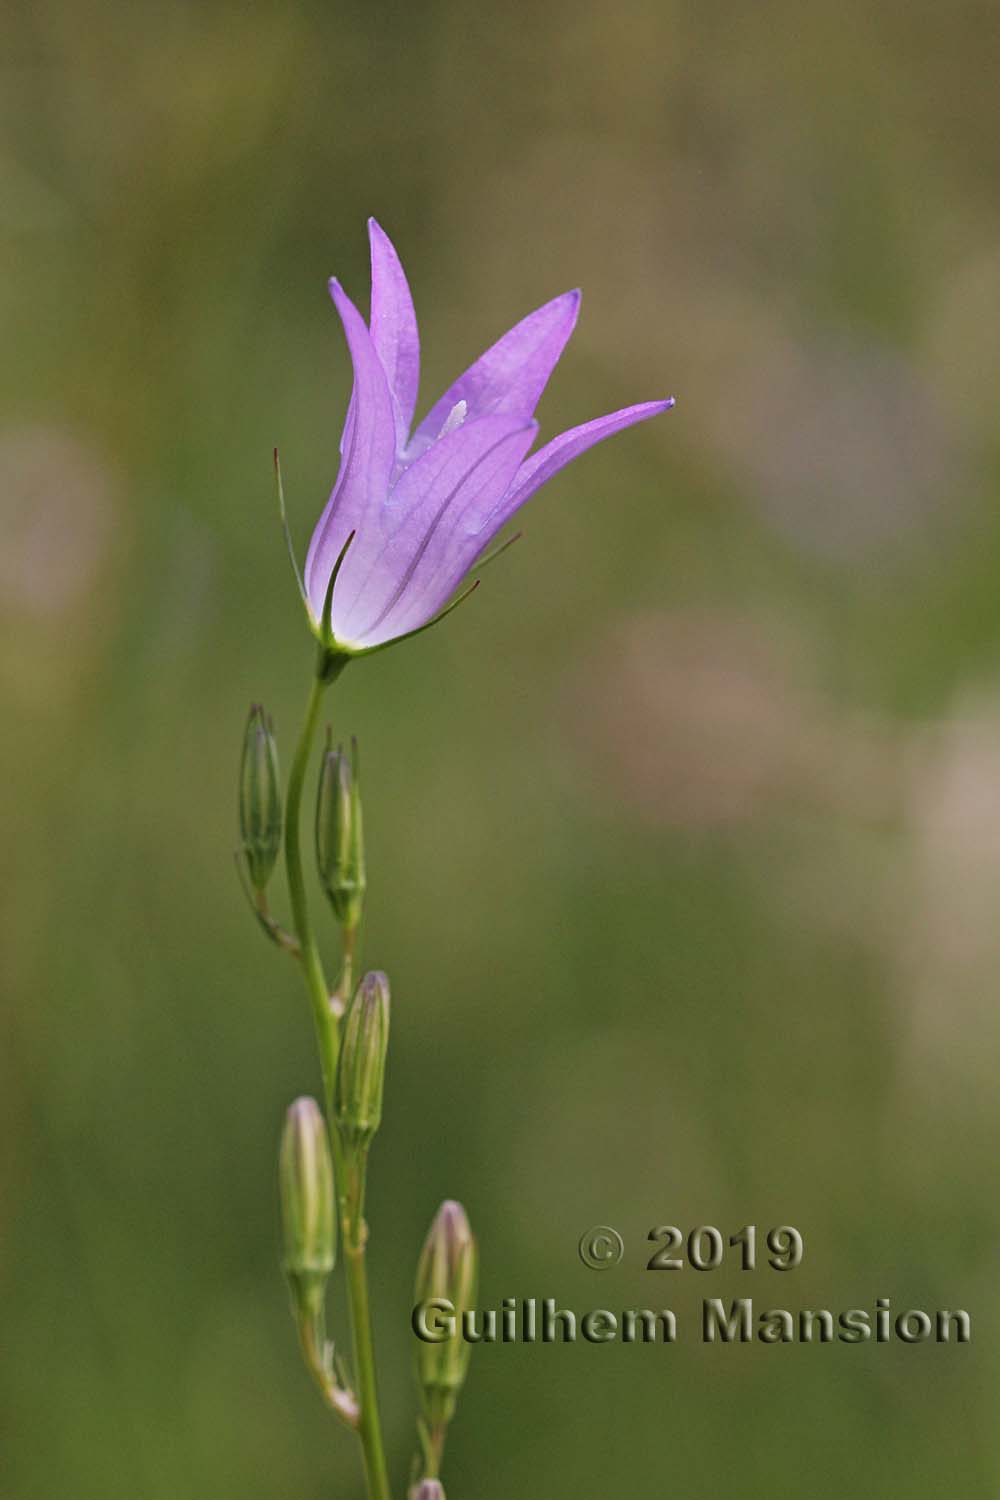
(427, 1489)
(308, 1213)
(447, 1272)
(260, 798)
(357, 1098)
(340, 847)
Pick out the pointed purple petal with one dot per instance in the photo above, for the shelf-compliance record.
(510, 376)
(541, 466)
(369, 453)
(429, 532)
(393, 325)
(345, 436)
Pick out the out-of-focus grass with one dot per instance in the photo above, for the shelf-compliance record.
(683, 834)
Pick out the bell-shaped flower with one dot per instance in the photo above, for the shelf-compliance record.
(414, 508)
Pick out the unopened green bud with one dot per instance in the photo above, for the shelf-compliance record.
(340, 845)
(446, 1274)
(308, 1216)
(260, 798)
(361, 1067)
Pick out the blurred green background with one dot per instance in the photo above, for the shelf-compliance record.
(684, 835)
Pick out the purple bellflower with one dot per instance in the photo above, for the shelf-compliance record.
(414, 508)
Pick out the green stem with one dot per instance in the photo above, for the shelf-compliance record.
(345, 985)
(312, 964)
(354, 1232)
(364, 1372)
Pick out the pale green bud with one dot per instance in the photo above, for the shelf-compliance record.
(308, 1209)
(260, 798)
(447, 1272)
(340, 845)
(357, 1096)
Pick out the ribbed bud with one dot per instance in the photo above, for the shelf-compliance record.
(340, 845)
(447, 1272)
(260, 798)
(361, 1066)
(308, 1208)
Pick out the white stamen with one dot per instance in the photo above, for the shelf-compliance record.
(454, 419)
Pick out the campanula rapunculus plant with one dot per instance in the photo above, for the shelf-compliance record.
(413, 510)
(421, 504)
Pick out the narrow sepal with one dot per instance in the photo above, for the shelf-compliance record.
(419, 629)
(283, 518)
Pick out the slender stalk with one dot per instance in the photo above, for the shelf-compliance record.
(364, 1372)
(431, 1447)
(354, 1231)
(340, 1401)
(341, 998)
(312, 965)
